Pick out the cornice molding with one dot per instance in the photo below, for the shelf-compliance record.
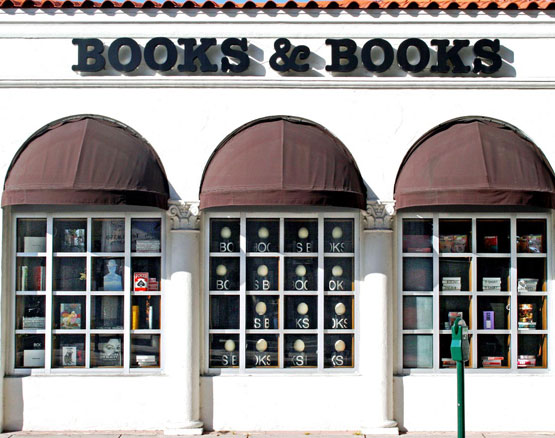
(184, 215)
(379, 215)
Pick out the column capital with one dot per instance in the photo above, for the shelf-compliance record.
(184, 215)
(379, 215)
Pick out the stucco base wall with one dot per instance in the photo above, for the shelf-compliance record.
(493, 402)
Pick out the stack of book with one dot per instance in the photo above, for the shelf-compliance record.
(447, 362)
(451, 283)
(526, 360)
(491, 284)
(527, 284)
(146, 360)
(492, 361)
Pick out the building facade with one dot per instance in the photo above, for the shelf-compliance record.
(267, 217)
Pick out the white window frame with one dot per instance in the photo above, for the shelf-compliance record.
(436, 293)
(62, 213)
(281, 331)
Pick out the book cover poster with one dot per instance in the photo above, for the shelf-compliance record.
(69, 356)
(70, 315)
(140, 281)
(110, 353)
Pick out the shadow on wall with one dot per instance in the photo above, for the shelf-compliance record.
(13, 404)
(399, 403)
(207, 402)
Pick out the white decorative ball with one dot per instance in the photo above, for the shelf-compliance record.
(300, 270)
(298, 345)
(303, 232)
(229, 345)
(337, 271)
(302, 309)
(225, 232)
(260, 308)
(337, 233)
(262, 270)
(261, 345)
(263, 232)
(340, 309)
(221, 270)
(339, 346)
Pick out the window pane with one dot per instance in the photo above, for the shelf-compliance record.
(145, 274)
(262, 351)
(417, 313)
(107, 351)
(338, 351)
(31, 273)
(532, 313)
(301, 235)
(224, 235)
(494, 313)
(493, 351)
(70, 235)
(262, 312)
(455, 274)
(107, 274)
(451, 308)
(531, 235)
(145, 312)
(30, 312)
(70, 274)
(262, 273)
(417, 351)
(301, 273)
(339, 235)
(224, 273)
(338, 312)
(29, 351)
(263, 235)
(417, 274)
(493, 274)
(445, 351)
(531, 274)
(145, 235)
(224, 312)
(31, 235)
(68, 312)
(417, 235)
(455, 235)
(224, 351)
(145, 351)
(301, 351)
(338, 274)
(108, 235)
(493, 235)
(107, 312)
(532, 351)
(301, 312)
(68, 351)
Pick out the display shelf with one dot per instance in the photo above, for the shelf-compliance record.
(531, 235)
(532, 350)
(417, 236)
(455, 274)
(146, 235)
(532, 312)
(106, 350)
(455, 235)
(145, 350)
(493, 274)
(70, 235)
(108, 235)
(493, 312)
(452, 307)
(493, 236)
(445, 360)
(495, 350)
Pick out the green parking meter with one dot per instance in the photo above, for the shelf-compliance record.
(460, 353)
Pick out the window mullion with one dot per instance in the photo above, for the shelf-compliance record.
(513, 294)
(436, 293)
(281, 288)
(321, 344)
(48, 288)
(242, 291)
(473, 289)
(127, 297)
(88, 297)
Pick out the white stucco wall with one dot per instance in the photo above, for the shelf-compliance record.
(185, 117)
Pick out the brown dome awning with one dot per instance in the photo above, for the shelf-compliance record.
(282, 160)
(475, 161)
(86, 160)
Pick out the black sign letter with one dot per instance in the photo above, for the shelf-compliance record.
(452, 55)
(171, 54)
(494, 61)
(282, 62)
(423, 51)
(240, 55)
(343, 49)
(366, 55)
(191, 53)
(113, 54)
(89, 48)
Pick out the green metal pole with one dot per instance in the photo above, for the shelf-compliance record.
(460, 398)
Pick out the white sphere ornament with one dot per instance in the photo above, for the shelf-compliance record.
(260, 308)
(262, 270)
(221, 270)
(337, 271)
(303, 232)
(261, 345)
(229, 345)
(339, 346)
(225, 232)
(263, 233)
(337, 233)
(300, 271)
(340, 309)
(302, 309)
(298, 345)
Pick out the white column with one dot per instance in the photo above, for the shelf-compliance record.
(376, 324)
(181, 328)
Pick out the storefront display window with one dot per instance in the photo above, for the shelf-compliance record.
(282, 291)
(491, 270)
(88, 292)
